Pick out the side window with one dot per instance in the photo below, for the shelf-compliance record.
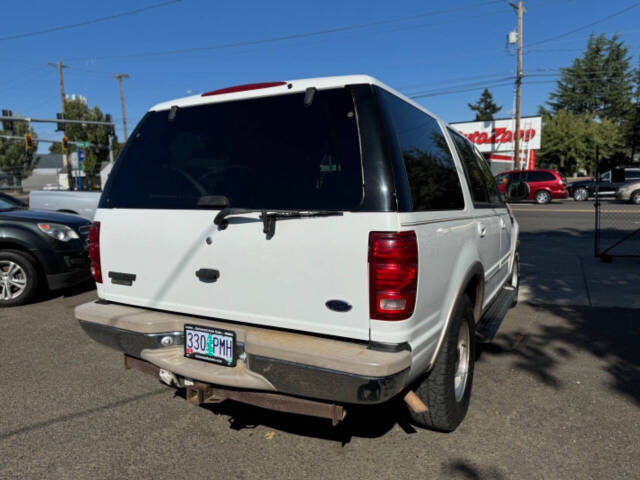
(475, 175)
(540, 177)
(492, 187)
(632, 174)
(431, 171)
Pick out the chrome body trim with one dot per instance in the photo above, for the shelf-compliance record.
(127, 341)
(316, 382)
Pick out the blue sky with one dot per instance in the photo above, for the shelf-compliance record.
(415, 46)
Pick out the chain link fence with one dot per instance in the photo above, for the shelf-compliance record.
(617, 226)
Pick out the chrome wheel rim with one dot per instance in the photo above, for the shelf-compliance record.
(13, 280)
(462, 363)
(542, 197)
(581, 194)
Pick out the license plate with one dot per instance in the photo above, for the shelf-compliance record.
(210, 344)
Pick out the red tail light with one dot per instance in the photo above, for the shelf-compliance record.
(243, 88)
(94, 252)
(393, 274)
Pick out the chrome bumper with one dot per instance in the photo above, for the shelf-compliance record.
(255, 369)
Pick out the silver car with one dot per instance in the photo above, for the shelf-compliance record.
(629, 192)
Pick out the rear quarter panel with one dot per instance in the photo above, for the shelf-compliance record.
(446, 249)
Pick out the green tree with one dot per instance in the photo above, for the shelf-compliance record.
(633, 125)
(570, 142)
(95, 134)
(15, 159)
(485, 107)
(599, 83)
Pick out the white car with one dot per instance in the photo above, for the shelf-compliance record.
(629, 192)
(65, 201)
(303, 246)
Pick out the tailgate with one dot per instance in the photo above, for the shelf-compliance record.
(284, 281)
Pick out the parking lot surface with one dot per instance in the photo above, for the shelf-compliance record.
(557, 394)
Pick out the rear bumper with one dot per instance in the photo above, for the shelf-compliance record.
(559, 193)
(268, 360)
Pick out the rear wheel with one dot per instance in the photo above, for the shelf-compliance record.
(635, 197)
(18, 278)
(515, 278)
(580, 194)
(446, 389)
(542, 197)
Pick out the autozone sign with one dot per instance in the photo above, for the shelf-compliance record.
(498, 135)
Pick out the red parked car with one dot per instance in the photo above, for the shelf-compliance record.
(544, 185)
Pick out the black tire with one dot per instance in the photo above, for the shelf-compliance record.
(580, 194)
(635, 197)
(515, 278)
(542, 197)
(437, 389)
(26, 263)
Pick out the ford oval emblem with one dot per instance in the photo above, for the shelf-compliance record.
(338, 306)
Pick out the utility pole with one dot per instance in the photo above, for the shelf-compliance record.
(120, 76)
(520, 10)
(65, 158)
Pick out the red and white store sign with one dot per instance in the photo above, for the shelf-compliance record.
(498, 135)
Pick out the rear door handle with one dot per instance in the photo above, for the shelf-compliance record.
(503, 224)
(482, 229)
(208, 275)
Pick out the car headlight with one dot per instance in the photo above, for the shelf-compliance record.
(58, 231)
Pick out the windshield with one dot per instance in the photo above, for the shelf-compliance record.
(6, 204)
(266, 153)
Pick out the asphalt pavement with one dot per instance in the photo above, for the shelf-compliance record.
(557, 395)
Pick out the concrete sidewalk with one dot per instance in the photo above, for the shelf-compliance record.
(558, 267)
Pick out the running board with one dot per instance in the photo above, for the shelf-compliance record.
(490, 322)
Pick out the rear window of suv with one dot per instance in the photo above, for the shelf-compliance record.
(271, 152)
(537, 176)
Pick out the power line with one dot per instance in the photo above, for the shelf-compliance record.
(437, 93)
(455, 80)
(584, 27)
(293, 36)
(89, 22)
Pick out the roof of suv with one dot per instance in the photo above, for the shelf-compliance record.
(279, 88)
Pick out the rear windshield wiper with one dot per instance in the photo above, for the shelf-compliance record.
(269, 217)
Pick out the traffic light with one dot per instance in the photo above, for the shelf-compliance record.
(109, 128)
(59, 125)
(65, 144)
(7, 125)
(28, 142)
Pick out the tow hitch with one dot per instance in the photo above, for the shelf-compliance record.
(201, 393)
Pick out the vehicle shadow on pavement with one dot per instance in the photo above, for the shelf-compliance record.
(466, 470)
(562, 332)
(79, 289)
(361, 421)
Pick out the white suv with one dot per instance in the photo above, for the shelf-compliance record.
(303, 246)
